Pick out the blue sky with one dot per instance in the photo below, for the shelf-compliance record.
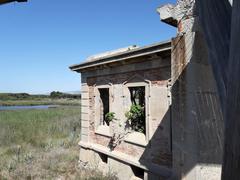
(41, 38)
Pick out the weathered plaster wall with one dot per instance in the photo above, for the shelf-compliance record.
(159, 84)
(197, 122)
(221, 33)
(196, 113)
(217, 32)
(157, 149)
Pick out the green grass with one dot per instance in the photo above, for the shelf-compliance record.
(44, 101)
(42, 144)
(37, 127)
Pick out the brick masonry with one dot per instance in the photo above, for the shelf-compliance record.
(154, 72)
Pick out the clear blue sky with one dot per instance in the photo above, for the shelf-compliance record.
(41, 38)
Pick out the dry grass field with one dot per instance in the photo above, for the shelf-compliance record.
(42, 144)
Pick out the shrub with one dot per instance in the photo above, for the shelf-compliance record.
(110, 116)
(136, 118)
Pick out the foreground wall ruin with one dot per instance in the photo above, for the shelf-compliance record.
(197, 120)
(221, 32)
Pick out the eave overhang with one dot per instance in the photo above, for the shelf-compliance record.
(161, 47)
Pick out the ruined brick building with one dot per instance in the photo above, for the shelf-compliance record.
(153, 112)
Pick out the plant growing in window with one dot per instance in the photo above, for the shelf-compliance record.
(109, 117)
(136, 118)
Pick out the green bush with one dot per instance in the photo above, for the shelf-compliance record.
(136, 118)
(110, 116)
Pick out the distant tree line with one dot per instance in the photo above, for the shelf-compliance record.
(14, 96)
(26, 96)
(57, 95)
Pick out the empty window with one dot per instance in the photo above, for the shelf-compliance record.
(137, 110)
(137, 95)
(104, 105)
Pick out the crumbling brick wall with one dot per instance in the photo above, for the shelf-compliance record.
(158, 149)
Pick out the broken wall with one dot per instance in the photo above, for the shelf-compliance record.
(156, 150)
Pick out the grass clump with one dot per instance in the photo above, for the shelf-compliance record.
(38, 127)
(42, 144)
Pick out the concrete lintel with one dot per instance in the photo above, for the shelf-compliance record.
(167, 14)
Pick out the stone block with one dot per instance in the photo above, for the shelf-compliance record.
(122, 171)
(85, 116)
(84, 130)
(85, 102)
(85, 124)
(84, 137)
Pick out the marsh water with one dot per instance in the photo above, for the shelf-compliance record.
(27, 107)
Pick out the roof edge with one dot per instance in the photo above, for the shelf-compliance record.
(166, 45)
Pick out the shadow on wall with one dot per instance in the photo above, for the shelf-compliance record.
(157, 156)
(193, 124)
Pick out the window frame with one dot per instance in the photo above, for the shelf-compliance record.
(131, 99)
(100, 128)
(136, 137)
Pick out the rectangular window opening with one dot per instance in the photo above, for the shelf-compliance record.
(104, 105)
(137, 110)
